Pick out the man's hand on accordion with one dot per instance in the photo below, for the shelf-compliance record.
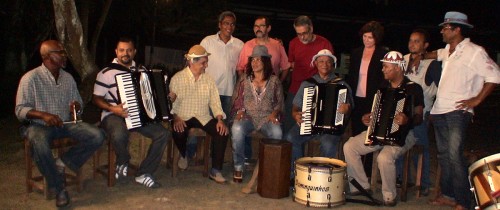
(298, 117)
(119, 110)
(344, 108)
(400, 118)
(366, 119)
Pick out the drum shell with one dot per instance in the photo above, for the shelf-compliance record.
(480, 172)
(315, 186)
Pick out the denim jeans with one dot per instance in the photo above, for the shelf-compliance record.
(89, 139)
(329, 144)
(240, 131)
(450, 129)
(117, 132)
(421, 136)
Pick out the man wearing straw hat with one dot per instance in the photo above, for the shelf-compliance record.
(197, 95)
(468, 77)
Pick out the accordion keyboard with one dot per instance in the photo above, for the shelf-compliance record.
(127, 93)
(307, 105)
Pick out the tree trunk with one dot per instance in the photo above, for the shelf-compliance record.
(70, 33)
(98, 28)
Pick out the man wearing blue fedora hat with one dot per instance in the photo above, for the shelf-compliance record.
(469, 75)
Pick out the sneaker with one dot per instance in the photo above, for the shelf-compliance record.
(217, 176)
(147, 180)
(358, 193)
(121, 170)
(183, 163)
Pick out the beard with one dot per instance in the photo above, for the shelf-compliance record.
(125, 60)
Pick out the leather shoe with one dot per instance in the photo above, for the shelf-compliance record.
(62, 198)
(237, 176)
(357, 193)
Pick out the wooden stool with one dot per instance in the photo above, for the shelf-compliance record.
(202, 150)
(33, 181)
(108, 170)
(418, 149)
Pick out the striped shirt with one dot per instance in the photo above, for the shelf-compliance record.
(39, 90)
(195, 98)
(105, 86)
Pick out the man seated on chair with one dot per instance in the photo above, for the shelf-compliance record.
(393, 69)
(325, 62)
(48, 101)
(114, 113)
(196, 96)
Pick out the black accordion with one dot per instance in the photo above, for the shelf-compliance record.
(145, 95)
(382, 129)
(319, 107)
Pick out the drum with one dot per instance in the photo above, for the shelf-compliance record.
(319, 181)
(484, 178)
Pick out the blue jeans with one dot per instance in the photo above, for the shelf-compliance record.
(329, 144)
(89, 139)
(117, 132)
(240, 130)
(421, 136)
(450, 129)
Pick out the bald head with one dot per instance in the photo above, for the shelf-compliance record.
(48, 46)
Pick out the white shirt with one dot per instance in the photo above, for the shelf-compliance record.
(418, 76)
(464, 73)
(222, 61)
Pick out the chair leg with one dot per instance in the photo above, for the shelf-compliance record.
(206, 154)
(404, 187)
(29, 166)
(111, 164)
(96, 161)
(374, 178)
(175, 161)
(418, 182)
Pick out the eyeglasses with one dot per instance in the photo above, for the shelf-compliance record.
(259, 26)
(305, 33)
(447, 27)
(256, 59)
(60, 52)
(228, 24)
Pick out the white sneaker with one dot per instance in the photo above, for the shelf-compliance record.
(121, 171)
(147, 180)
(183, 163)
(217, 177)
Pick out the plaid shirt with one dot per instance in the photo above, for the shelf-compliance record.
(39, 90)
(195, 98)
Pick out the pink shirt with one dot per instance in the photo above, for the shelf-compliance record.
(279, 59)
(363, 77)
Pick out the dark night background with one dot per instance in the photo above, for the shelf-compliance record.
(178, 24)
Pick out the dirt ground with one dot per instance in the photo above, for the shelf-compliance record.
(189, 190)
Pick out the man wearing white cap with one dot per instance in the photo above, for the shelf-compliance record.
(468, 77)
(197, 95)
(393, 68)
(325, 62)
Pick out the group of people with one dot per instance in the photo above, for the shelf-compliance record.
(231, 88)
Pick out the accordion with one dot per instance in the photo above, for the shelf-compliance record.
(382, 129)
(319, 107)
(145, 95)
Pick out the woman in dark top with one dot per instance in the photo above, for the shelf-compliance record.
(365, 72)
